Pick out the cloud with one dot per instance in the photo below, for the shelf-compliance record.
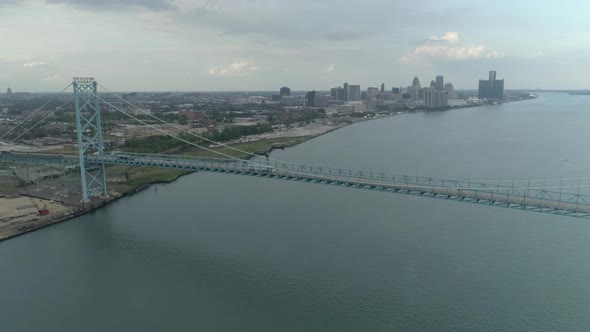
(451, 37)
(145, 62)
(35, 64)
(237, 68)
(282, 18)
(156, 5)
(54, 77)
(330, 68)
(448, 47)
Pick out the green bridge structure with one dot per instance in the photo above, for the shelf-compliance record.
(92, 160)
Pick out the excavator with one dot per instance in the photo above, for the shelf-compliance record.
(42, 211)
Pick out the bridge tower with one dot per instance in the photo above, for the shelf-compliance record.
(89, 131)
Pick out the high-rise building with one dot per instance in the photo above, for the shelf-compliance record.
(416, 81)
(492, 75)
(413, 91)
(434, 99)
(492, 88)
(395, 91)
(285, 91)
(372, 92)
(9, 92)
(354, 93)
(497, 91)
(483, 91)
(439, 83)
(450, 90)
(346, 92)
(334, 93)
(311, 96)
(337, 93)
(382, 87)
(432, 84)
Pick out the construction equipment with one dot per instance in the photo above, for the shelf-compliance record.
(41, 211)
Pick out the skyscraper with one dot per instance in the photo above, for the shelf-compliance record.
(372, 92)
(492, 88)
(382, 87)
(346, 92)
(439, 84)
(285, 91)
(311, 98)
(492, 75)
(354, 93)
(416, 82)
(435, 99)
(450, 90)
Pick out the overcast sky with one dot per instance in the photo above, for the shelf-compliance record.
(206, 45)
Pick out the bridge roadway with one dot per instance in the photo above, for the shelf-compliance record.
(531, 199)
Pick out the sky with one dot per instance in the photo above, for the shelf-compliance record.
(227, 45)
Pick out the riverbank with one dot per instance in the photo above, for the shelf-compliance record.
(126, 181)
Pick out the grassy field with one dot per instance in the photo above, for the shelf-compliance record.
(137, 176)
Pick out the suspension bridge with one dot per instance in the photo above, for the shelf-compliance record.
(92, 160)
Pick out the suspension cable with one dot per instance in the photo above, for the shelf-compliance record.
(38, 123)
(176, 137)
(187, 131)
(35, 111)
(282, 161)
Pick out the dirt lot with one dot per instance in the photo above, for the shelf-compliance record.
(18, 214)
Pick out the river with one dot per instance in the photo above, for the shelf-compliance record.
(214, 252)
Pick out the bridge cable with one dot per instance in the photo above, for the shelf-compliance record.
(35, 111)
(201, 147)
(176, 137)
(189, 132)
(38, 123)
(282, 161)
(415, 186)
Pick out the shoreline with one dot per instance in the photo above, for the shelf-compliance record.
(43, 223)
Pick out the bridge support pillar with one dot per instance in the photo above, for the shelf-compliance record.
(89, 133)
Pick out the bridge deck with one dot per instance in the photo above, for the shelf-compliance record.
(534, 199)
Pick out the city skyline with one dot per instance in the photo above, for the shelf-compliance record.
(235, 46)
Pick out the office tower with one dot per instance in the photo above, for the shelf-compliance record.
(416, 82)
(354, 93)
(413, 91)
(285, 91)
(311, 96)
(450, 90)
(372, 92)
(492, 88)
(439, 83)
(434, 99)
(346, 92)
(335, 93)
(483, 92)
(395, 90)
(382, 87)
(492, 75)
(497, 91)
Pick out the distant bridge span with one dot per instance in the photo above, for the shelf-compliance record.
(529, 199)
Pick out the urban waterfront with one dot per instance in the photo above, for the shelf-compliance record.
(223, 253)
